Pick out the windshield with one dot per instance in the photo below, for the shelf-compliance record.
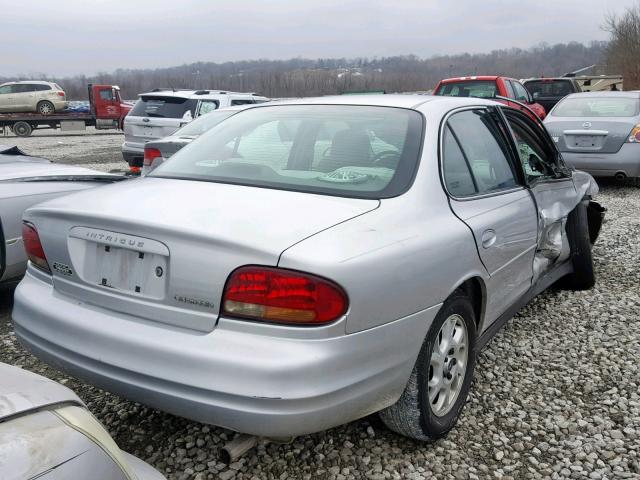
(549, 88)
(473, 88)
(163, 107)
(597, 107)
(204, 123)
(345, 150)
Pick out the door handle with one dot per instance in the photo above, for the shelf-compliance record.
(489, 237)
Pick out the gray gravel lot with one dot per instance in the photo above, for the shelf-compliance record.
(556, 395)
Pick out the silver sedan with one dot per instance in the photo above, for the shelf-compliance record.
(599, 132)
(303, 265)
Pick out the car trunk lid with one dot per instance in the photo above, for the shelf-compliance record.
(162, 249)
(580, 135)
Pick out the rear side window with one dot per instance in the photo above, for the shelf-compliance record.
(485, 150)
(163, 107)
(242, 102)
(471, 88)
(24, 88)
(457, 174)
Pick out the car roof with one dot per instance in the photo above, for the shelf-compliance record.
(22, 391)
(180, 93)
(606, 93)
(549, 79)
(39, 82)
(474, 77)
(414, 102)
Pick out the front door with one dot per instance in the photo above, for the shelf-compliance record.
(550, 184)
(488, 194)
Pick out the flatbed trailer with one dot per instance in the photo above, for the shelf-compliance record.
(106, 111)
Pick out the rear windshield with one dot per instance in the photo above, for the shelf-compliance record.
(597, 107)
(163, 107)
(550, 88)
(471, 88)
(204, 123)
(344, 150)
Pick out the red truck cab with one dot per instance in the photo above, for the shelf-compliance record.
(490, 87)
(107, 106)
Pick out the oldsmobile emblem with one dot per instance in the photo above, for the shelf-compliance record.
(586, 125)
(62, 269)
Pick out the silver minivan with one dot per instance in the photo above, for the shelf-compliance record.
(161, 112)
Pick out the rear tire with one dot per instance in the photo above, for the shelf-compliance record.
(45, 108)
(421, 412)
(583, 276)
(22, 129)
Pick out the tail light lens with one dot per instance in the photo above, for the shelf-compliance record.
(634, 136)
(61, 94)
(33, 247)
(283, 296)
(149, 155)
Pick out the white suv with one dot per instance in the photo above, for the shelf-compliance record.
(161, 112)
(44, 98)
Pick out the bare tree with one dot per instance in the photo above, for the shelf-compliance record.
(623, 52)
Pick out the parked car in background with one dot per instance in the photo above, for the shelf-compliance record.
(26, 181)
(310, 263)
(46, 432)
(161, 112)
(45, 98)
(599, 132)
(157, 151)
(549, 91)
(490, 87)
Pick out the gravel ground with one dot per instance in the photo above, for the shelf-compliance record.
(93, 148)
(556, 395)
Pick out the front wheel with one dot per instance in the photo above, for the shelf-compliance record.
(583, 276)
(441, 379)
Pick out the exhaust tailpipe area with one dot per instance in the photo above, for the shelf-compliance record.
(237, 447)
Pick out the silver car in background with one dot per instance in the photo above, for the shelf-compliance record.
(46, 432)
(599, 132)
(24, 182)
(157, 151)
(306, 264)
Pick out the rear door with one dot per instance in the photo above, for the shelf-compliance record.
(551, 185)
(487, 193)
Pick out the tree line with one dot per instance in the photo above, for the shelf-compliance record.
(306, 77)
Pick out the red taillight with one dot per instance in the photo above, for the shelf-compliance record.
(284, 296)
(149, 155)
(634, 136)
(33, 247)
(61, 94)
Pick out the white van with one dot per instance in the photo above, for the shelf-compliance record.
(162, 111)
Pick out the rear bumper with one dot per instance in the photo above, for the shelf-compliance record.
(626, 160)
(133, 154)
(268, 385)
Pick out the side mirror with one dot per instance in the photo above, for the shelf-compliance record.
(535, 96)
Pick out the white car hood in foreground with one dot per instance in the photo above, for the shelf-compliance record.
(21, 391)
(19, 170)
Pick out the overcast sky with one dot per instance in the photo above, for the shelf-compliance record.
(66, 37)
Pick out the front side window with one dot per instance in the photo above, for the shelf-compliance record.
(346, 150)
(535, 154)
(468, 88)
(521, 92)
(106, 95)
(5, 89)
(485, 149)
(597, 107)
